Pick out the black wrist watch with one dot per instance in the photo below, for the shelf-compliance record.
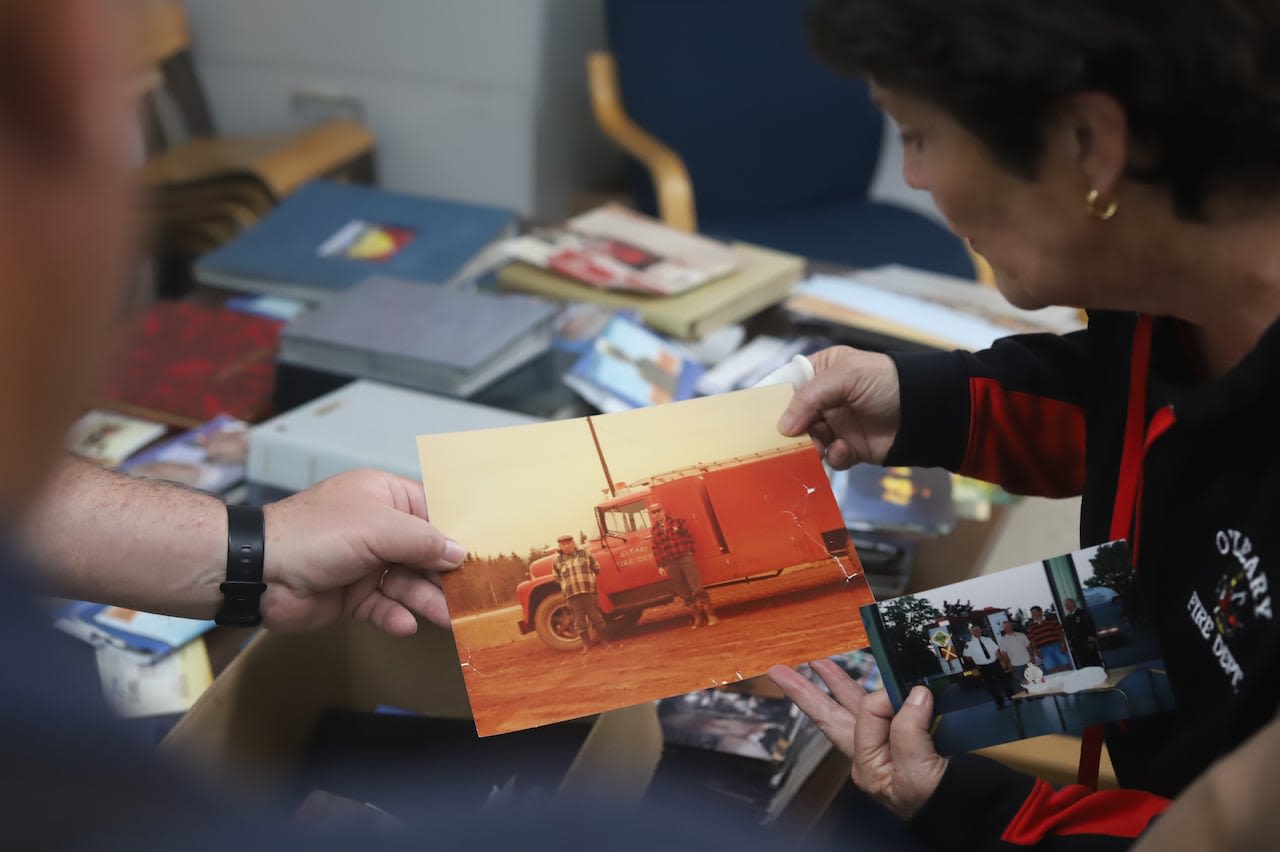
(246, 550)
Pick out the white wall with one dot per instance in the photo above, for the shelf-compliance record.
(482, 100)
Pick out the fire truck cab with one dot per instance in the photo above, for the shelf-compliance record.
(751, 517)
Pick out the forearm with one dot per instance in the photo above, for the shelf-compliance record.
(1013, 414)
(107, 537)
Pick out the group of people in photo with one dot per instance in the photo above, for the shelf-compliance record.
(1024, 654)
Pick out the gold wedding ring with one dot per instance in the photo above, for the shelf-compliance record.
(383, 578)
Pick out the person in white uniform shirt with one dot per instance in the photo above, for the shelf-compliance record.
(984, 652)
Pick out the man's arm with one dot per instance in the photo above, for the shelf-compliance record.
(158, 547)
(104, 536)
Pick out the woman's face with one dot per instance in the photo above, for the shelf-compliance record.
(1037, 235)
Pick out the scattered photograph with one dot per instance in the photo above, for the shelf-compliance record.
(630, 557)
(724, 720)
(109, 438)
(211, 458)
(628, 366)
(1048, 648)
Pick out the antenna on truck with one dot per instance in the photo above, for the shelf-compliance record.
(604, 466)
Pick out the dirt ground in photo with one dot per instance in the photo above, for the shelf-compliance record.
(519, 682)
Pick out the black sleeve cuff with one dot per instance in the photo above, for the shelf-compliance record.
(973, 805)
(934, 427)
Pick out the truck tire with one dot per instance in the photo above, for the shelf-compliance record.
(554, 622)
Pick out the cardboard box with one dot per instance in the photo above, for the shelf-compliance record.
(253, 725)
(255, 721)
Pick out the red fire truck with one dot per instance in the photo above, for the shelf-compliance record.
(751, 518)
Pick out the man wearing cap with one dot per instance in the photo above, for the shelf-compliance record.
(673, 551)
(576, 572)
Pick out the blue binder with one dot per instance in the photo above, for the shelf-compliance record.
(327, 237)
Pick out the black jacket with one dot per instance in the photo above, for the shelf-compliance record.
(1198, 501)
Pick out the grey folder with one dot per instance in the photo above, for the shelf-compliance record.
(420, 335)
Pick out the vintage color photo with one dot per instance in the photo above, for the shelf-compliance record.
(629, 557)
(1051, 647)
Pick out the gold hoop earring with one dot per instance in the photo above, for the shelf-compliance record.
(1100, 212)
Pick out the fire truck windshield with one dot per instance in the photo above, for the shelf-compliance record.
(620, 520)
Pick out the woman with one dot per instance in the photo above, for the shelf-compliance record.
(1122, 157)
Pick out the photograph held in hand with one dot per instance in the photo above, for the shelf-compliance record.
(630, 557)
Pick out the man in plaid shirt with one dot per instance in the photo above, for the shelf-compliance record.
(576, 572)
(673, 551)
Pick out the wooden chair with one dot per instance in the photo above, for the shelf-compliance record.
(735, 129)
(204, 188)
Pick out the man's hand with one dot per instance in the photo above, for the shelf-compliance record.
(359, 545)
(894, 760)
(850, 407)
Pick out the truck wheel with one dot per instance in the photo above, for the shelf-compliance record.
(554, 622)
(621, 621)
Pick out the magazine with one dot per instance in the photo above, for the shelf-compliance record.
(211, 458)
(614, 248)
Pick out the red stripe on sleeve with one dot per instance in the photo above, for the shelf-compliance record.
(1077, 810)
(1027, 444)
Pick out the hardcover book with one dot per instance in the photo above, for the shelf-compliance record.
(188, 363)
(429, 338)
(763, 278)
(328, 236)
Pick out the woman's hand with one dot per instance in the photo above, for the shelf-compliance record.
(850, 407)
(894, 760)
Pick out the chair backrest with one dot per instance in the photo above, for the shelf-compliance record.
(734, 88)
(175, 108)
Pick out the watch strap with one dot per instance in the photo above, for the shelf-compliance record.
(246, 552)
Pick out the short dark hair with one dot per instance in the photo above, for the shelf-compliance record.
(1034, 608)
(1199, 81)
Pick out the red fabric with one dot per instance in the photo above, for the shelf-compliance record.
(1125, 517)
(1079, 810)
(1134, 425)
(191, 363)
(1090, 757)
(1028, 444)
